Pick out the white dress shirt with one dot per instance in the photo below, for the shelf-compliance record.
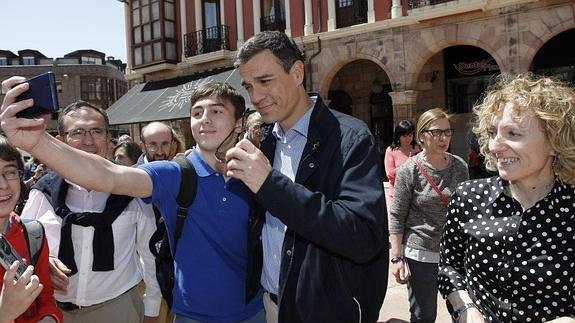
(132, 257)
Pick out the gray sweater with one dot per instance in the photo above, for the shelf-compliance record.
(417, 211)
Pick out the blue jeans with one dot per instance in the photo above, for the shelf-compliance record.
(259, 317)
(422, 288)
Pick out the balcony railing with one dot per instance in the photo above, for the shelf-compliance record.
(350, 12)
(414, 4)
(206, 41)
(272, 23)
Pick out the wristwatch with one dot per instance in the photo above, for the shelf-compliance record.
(457, 313)
(397, 259)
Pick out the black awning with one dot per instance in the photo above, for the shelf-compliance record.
(166, 99)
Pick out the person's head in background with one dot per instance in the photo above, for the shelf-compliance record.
(11, 185)
(273, 72)
(253, 128)
(112, 143)
(433, 131)
(85, 127)
(156, 141)
(526, 129)
(404, 135)
(127, 153)
(178, 146)
(124, 138)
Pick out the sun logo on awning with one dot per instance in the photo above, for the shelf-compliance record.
(181, 98)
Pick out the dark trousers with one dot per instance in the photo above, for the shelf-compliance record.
(422, 288)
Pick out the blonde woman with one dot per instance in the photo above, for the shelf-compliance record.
(422, 186)
(508, 248)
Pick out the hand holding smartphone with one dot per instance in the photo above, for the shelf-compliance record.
(42, 88)
(8, 255)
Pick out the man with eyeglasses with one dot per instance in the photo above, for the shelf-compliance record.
(97, 240)
(156, 143)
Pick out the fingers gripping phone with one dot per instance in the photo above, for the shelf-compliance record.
(42, 88)
(8, 255)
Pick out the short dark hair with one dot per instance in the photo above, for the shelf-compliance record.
(79, 105)
(10, 153)
(404, 127)
(132, 149)
(220, 90)
(277, 42)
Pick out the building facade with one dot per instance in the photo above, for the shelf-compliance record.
(379, 60)
(81, 75)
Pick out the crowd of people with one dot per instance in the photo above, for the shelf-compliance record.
(289, 221)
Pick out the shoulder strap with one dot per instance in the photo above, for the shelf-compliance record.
(188, 187)
(34, 233)
(432, 182)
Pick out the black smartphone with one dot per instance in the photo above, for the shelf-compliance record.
(8, 255)
(42, 88)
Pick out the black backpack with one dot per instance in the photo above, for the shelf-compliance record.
(34, 233)
(159, 244)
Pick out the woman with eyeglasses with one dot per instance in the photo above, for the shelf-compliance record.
(30, 297)
(423, 185)
(402, 147)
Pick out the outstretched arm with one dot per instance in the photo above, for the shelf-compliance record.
(87, 170)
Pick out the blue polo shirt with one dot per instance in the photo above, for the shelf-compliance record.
(211, 259)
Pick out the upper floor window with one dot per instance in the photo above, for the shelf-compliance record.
(350, 12)
(28, 60)
(273, 15)
(153, 24)
(91, 60)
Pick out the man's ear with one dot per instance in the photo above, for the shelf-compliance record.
(238, 125)
(142, 146)
(298, 71)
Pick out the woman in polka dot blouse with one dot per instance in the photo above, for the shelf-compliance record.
(508, 247)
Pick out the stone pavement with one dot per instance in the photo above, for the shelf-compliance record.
(395, 307)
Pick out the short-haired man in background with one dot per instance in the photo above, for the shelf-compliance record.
(156, 142)
(96, 239)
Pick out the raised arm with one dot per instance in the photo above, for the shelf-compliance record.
(87, 170)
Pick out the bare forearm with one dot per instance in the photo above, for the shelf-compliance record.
(395, 241)
(90, 171)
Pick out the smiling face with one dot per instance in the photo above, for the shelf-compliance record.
(9, 188)
(520, 147)
(276, 94)
(95, 139)
(435, 145)
(212, 119)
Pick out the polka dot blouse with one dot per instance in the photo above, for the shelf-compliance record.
(517, 266)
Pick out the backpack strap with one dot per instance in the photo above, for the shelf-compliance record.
(188, 188)
(34, 234)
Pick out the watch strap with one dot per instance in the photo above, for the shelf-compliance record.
(457, 313)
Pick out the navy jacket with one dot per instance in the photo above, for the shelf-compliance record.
(336, 250)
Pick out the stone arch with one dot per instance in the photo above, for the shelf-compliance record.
(544, 39)
(415, 65)
(332, 60)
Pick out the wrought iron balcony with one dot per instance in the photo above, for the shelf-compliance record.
(350, 12)
(206, 41)
(414, 4)
(272, 23)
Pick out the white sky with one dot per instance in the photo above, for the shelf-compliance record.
(58, 27)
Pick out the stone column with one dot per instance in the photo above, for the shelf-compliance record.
(331, 23)
(404, 105)
(183, 26)
(240, 22)
(288, 18)
(308, 27)
(198, 14)
(396, 9)
(370, 11)
(257, 15)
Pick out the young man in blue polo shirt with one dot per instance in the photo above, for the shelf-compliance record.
(211, 258)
